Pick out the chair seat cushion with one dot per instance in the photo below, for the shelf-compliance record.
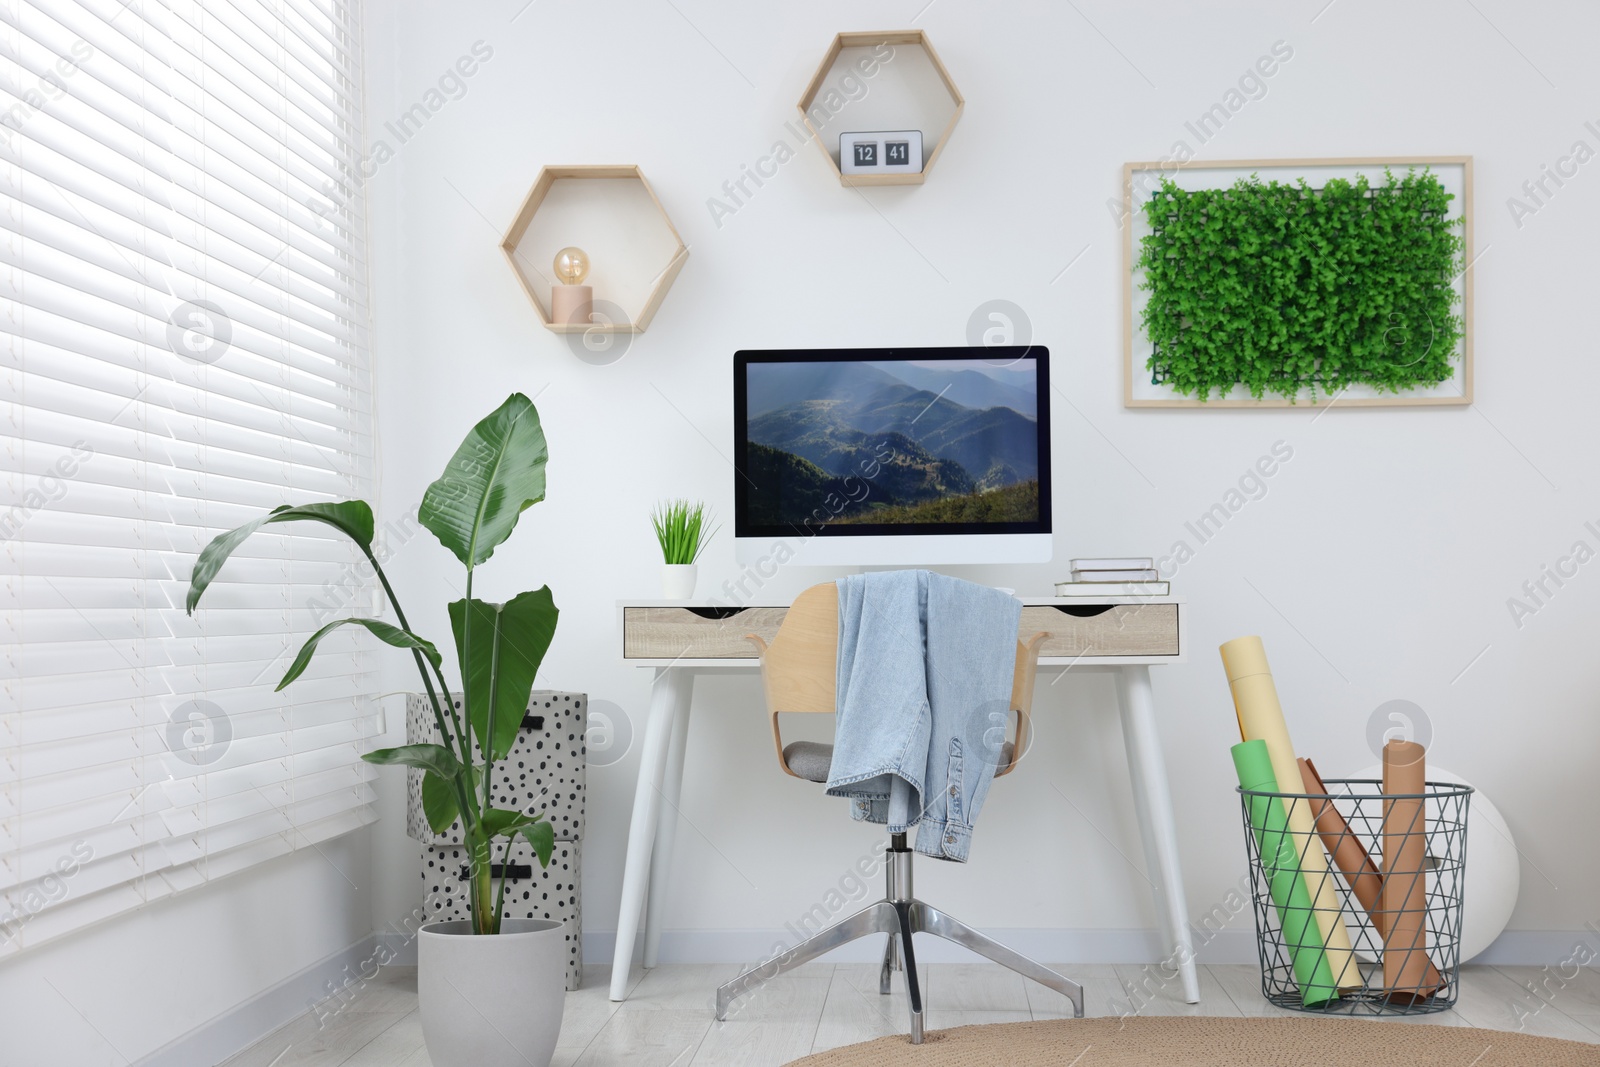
(812, 760)
(809, 759)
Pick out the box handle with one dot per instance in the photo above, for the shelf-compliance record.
(515, 872)
(533, 722)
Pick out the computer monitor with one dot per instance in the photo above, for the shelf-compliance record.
(893, 456)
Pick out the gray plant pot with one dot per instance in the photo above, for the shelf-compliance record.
(487, 1001)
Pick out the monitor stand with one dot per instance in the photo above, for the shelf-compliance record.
(870, 568)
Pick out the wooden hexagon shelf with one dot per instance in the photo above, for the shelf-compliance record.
(610, 212)
(918, 88)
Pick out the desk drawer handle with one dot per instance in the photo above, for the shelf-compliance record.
(1083, 611)
(717, 614)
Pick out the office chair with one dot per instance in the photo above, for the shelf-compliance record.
(798, 671)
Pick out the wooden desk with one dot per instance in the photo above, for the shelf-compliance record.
(682, 639)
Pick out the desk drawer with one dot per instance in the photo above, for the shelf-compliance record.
(718, 633)
(1117, 630)
(696, 633)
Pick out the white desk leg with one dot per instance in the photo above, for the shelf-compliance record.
(1141, 811)
(1153, 800)
(666, 828)
(664, 702)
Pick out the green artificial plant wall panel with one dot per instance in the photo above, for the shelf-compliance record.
(1295, 291)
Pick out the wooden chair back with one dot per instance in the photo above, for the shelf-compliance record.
(799, 669)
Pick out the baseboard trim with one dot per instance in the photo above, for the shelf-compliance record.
(1543, 948)
(1512, 948)
(1055, 945)
(244, 1024)
(401, 948)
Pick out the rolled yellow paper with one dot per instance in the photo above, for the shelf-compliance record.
(1255, 700)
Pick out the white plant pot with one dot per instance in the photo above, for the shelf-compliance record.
(491, 1000)
(677, 580)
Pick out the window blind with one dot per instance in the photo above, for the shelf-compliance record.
(183, 323)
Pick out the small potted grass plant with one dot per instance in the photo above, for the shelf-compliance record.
(681, 530)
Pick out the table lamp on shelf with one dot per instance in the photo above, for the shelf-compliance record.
(570, 302)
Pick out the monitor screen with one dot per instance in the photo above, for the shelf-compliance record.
(859, 443)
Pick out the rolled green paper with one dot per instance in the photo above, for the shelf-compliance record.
(1280, 862)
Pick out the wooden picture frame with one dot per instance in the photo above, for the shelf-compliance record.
(1135, 394)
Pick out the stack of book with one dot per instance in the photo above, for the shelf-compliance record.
(1135, 576)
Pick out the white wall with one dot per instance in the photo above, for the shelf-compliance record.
(1377, 565)
(236, 958)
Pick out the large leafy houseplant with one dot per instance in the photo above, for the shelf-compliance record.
(495, 475)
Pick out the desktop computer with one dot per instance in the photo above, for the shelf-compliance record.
(892, 457)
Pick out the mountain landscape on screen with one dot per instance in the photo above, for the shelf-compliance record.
(949, 441)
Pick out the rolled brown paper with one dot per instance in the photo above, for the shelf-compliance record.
(1351, 857)
(1346, 849)
(1406, 968)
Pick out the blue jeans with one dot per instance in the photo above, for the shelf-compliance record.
(925, 669)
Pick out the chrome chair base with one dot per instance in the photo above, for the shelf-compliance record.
(899, 915)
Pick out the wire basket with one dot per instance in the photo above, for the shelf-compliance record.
(1403, 917)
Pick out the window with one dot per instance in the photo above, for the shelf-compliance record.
(184, 329)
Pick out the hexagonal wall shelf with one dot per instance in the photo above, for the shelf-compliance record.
(857, 89)
(613, 215)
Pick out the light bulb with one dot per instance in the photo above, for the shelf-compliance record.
(572, 265)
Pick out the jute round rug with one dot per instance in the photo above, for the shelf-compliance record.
(1200, 1041)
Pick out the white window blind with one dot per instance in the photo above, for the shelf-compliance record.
(184, 338)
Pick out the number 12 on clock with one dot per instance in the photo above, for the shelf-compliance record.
(885, 153)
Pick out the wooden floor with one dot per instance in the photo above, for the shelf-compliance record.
(667, 1019)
